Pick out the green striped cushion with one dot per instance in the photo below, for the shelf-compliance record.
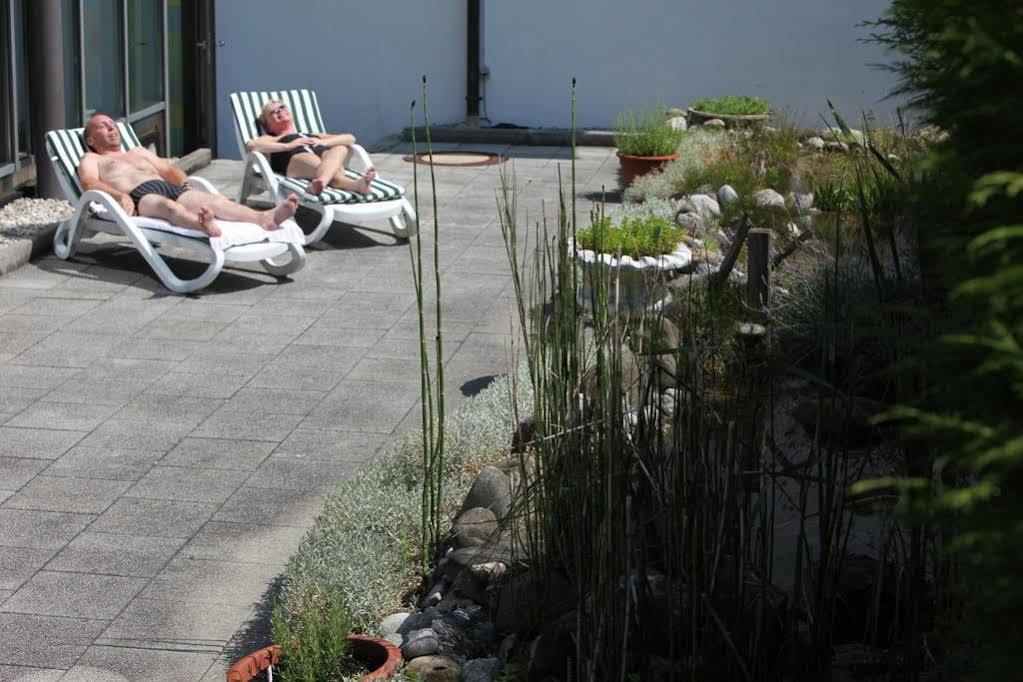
(304, 109)
(382, 191)
(68, 147)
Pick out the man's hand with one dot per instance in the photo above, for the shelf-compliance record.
(126, 203)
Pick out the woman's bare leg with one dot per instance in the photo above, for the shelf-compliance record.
(156, 206)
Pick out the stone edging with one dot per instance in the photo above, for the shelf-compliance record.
(16, 251)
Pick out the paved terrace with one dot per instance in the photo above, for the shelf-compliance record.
(161, 456)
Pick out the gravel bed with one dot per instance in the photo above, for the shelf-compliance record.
(26, 217)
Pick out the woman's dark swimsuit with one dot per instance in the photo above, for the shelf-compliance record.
(161, 187)
(279, 160)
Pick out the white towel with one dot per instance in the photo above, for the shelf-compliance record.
(231, 233)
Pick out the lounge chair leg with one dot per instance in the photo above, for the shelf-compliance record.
(326, 220)
(294, 262)
(247, 181)
(406, 225)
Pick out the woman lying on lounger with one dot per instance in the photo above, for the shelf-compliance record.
(320, 158)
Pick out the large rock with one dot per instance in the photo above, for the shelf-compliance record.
(727, 195)
(491, 490)
(768, 198)
(435, 669)
(702, 204)
(481, 670)
(420, 643)
(473, 527)
(455, 642)
(690, 222)
(393, 622)
(816, 142)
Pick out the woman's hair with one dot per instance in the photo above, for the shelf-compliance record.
(263, 114)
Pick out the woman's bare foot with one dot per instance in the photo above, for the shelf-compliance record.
(273, 219)
(366, 180)
(206, 223)
(317, 186)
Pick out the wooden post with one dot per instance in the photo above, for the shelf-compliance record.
(758, 268)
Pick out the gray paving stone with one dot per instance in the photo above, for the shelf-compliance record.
(37, 443)
(16, 342)
(330, 445)
(40, 529)
(228, 357)
(63, 416)
(128, 435)
(115, 554)
(326, 334)
(11, 323)
(388, 369)
(67, 349)
(187, 483)
(59, 493)
(55, 306)
(114, 391)
(199, 385)
(211, 582)
(46, 641)
(120, 318)
(116, 465)
(271, 507)
(120, 663)
(17, 471)
(365, 406)
(4, 494)
(218, 453)
(252, 424)
(187, 330)
(318, 368)
(277, 398)
(184, 410)
(28, 376)
(162, 518)
(154, 349)
(261, 544)
(174, 624)
(12, 297)
(281, 327)
(75, 595)
(19, 673)
(18, 564)
(284, 472)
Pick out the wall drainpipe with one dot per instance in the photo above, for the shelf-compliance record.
(472, 89)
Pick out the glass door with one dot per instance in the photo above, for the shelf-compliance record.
(102, 45)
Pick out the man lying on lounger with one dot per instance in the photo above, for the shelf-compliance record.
(146, 185)
(320, 158)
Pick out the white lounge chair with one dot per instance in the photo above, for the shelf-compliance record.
(387, 200)
(97, 211)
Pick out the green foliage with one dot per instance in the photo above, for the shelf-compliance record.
(636, 237)
(961, 64)
(732, 105)
(831, 197)
(314, 641)
(646, 133)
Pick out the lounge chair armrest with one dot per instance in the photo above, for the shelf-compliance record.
(106, 201)
(362, 156)
(259, 160)
(202, 184)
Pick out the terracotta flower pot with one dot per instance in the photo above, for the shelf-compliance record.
(636, 166)
(379, 655)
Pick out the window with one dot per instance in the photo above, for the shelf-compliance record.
(14, 121)
(124, 59)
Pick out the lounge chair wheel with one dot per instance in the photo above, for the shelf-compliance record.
(291, 262)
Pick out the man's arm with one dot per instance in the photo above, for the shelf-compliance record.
(88, 173)
(167, 170)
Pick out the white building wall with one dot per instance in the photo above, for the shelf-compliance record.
(795, 53)
(365, 60)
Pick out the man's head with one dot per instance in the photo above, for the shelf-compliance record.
(101, 134)
(275, 117)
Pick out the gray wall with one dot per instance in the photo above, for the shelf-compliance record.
(364, 59)
(796, 53)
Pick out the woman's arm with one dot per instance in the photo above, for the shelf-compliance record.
(346, 139)
(267, 144)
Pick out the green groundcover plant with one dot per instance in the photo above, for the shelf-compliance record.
(646, 132)
(636, 237)
(732, 105)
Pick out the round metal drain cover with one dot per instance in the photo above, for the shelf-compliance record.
(462, 159)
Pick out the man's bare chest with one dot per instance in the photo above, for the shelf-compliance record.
(126, 164)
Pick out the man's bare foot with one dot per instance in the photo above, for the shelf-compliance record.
(317, 186)
(273, 219)
(206, 223)
(365, 182)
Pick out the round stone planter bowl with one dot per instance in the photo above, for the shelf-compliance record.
(637, 166)
(380, 656)
(731, 120)
(631, 283)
